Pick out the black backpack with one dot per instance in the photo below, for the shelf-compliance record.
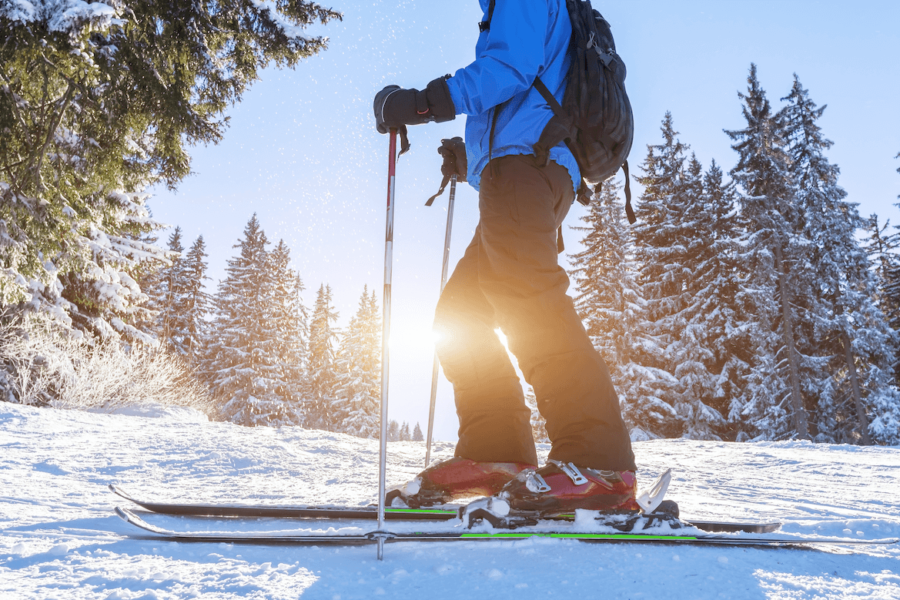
(595, 119)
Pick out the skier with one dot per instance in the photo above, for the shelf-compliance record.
(510, 278)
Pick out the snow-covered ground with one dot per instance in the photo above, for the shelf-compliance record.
(60, 539)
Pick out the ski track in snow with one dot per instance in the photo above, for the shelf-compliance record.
(59, 537)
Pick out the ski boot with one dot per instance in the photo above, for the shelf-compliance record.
(453, 479)
(558, 489)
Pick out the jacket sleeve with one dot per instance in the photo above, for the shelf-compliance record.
(512, 57)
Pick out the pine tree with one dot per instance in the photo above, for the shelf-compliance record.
(321, 374)
(891, 288)
(417, 434)
(612, 305)
(705, 363)
(189, 324)
(160, 286)
(847, 338)
(661, 237)
(880, 247)
(149, 278)
(98, 102)
(291, 320)
(393, 431)
(242, 364)
(169, 300)
(405, 436)
(358, 385)
(773, 259)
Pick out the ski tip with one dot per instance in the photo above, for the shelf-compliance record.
(132, 519)
(119, 491)
(125, 514)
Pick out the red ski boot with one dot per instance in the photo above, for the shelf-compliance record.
(454, 479)
(561, 487)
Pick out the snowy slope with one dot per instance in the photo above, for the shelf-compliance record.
(59, 537)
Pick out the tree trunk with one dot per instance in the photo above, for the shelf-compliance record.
(800, 420)
(861, 419)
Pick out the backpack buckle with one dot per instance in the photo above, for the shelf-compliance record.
(605, 57)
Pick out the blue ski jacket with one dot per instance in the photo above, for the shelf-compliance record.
(525, 40)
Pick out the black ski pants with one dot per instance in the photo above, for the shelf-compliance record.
(509, 278)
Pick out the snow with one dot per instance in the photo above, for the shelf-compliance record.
(59, 537)
(60, 15)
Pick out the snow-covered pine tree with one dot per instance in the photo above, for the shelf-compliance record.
(774, 261)
(611, 302)
(149, 278)
(661, 241)
(321, 373)
(188, 324)
(290, 319)
(242, 364)
(167, 299)
(405, 435)
(892, 283)
(848, 342)
(358, 385)
(690, 355)
(703, 346)
(417, 434)
(880, 246)
(99, 101)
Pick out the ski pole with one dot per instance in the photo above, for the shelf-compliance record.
(436, 364)
(385, 337)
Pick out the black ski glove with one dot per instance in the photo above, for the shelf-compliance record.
(395, 107)
(455, 163)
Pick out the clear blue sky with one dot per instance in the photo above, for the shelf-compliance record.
(303, 154)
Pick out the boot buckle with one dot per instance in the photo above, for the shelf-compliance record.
(572, 471)
(536, 484)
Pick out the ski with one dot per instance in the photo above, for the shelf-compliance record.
(445, 513)
(470, 536)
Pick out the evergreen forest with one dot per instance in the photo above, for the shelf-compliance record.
(753, 305)
(748, 304)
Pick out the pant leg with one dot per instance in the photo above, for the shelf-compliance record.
(494, 422)
(521, 207)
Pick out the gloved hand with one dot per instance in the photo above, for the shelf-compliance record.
(395, 107)
(455, 161)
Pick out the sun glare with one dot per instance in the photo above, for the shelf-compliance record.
(409, 337)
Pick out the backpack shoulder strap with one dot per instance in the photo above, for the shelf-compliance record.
(486, 24)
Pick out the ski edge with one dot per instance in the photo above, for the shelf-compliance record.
(373, 536)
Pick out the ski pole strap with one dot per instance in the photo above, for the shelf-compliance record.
(444, 182)
(404, 140)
